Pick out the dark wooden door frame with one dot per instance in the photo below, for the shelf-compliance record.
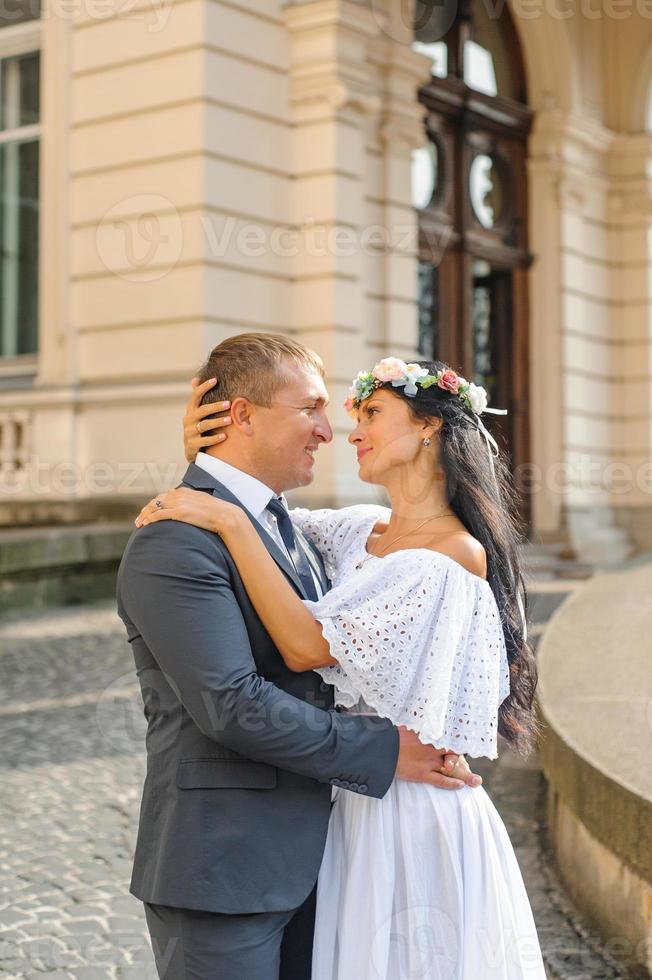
(462, 122)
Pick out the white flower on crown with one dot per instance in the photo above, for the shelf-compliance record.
(414, 372)
(477, 397)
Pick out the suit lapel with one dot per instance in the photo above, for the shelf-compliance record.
(199, 479)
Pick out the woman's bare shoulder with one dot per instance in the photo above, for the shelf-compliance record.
(466, 550)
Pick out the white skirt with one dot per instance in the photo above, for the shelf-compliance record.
(422, 885)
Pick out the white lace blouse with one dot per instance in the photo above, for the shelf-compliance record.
(418, 638)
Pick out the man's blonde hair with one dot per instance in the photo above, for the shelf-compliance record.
(251, 365)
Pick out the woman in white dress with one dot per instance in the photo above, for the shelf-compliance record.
(425, 627)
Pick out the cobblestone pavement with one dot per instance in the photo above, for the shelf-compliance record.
(71, 731)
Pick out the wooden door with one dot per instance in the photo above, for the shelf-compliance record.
(474, 259)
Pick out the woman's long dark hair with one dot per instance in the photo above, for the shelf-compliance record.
(485, 504)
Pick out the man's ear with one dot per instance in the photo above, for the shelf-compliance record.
(242, 412)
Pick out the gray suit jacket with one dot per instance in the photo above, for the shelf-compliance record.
(241, 751)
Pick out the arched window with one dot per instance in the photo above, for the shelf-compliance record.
(469, 188)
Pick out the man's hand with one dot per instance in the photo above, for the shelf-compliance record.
(421, 763)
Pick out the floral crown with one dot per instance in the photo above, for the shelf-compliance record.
(411, 377)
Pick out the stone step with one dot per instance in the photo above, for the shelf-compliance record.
(546, 595)
(559, 570)
(553, 562)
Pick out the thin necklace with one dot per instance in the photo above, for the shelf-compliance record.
(405, 535)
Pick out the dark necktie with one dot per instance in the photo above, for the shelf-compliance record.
(297, 556)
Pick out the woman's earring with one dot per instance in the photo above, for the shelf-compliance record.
(426, 443)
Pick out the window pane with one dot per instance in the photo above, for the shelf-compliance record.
(29, 89)
(18, 11)
(19, 91)
(5, 110)
(437, 51)
(28, 249)
(479, 70)
(488, 63)
(424, 175)
(484, 370)
(428, 312)
(432, 21)
(19, 206)
(485, 190)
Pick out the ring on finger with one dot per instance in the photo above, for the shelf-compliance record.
(159, 503)
(198, 427)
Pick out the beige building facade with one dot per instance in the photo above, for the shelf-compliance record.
(208, 167)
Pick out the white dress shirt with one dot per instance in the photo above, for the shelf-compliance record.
(254, 495)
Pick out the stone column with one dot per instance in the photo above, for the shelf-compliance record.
(630, 215)
(400, 73)
(332, 98)
(355, 112)
(576, 403)
(546, 383)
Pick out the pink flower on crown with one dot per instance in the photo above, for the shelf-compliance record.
(449, 381)
(390, 369)
(348, 404)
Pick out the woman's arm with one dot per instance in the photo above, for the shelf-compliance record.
(292, 628)
(296, 633)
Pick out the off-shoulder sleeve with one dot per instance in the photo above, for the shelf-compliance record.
(422, 643)
(330, 530)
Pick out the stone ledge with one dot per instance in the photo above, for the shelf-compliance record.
(28, 549)
(51, 565)
(617, 817)
(595, 700)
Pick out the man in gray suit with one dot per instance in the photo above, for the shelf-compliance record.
(242, 753)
